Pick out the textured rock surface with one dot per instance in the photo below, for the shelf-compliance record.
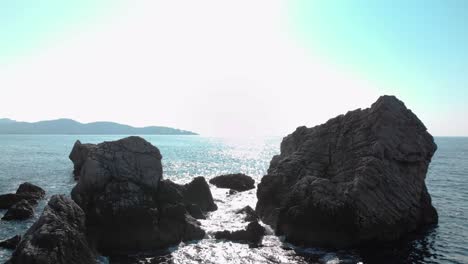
(253, 233)
(19, 211)
(359, 178)
(10, 243)
(128, 207)
(58, 236)
(26, 191)
(238, 182)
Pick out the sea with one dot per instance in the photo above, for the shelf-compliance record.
(43, 160)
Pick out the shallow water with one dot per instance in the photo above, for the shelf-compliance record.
(43, 160)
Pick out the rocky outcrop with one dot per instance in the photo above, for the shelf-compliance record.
(253, 234)
(195, 196)
(19, 211)
(21, 204)
(10, 243)
(128, 207)
(359, 178)
(250, 214)
(238, 182)
(26, 191)
(58, 236)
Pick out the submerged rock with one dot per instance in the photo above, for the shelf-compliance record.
(128, 207)
(10, 243)
(26, 191)
(250, 214)
(58, 236)
(238, 182)
(359, 178)
(253, 233)
(19, 211)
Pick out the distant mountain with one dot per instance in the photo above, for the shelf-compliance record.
(69, 126)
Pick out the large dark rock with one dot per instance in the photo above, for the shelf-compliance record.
(253, 233)
(238, 182)
(359, 178)
(26, 191)
(19, 211)
(9, 199)
(58, 236)
(127, 205)
(10, 243)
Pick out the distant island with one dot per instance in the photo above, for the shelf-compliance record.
(72, 127)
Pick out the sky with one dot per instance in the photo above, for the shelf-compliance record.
(232, 68)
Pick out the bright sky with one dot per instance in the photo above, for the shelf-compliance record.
(231, 68)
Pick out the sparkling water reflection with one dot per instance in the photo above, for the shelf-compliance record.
(43, 160)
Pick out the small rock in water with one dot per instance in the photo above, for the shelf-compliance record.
(10, 243)
(31, 190)
(252, 234)
(198, 192)
(238, 182)
(19, 211)
(26, 191)
(250, 214)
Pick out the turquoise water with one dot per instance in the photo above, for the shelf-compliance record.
(43, 160)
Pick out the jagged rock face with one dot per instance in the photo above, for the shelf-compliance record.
(119, 187)
(359, 178)
(58, 236)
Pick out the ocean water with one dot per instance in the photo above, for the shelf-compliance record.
(43, 160)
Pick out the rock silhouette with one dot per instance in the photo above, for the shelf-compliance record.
(253, 233)
(238, 182)
(359, 178)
